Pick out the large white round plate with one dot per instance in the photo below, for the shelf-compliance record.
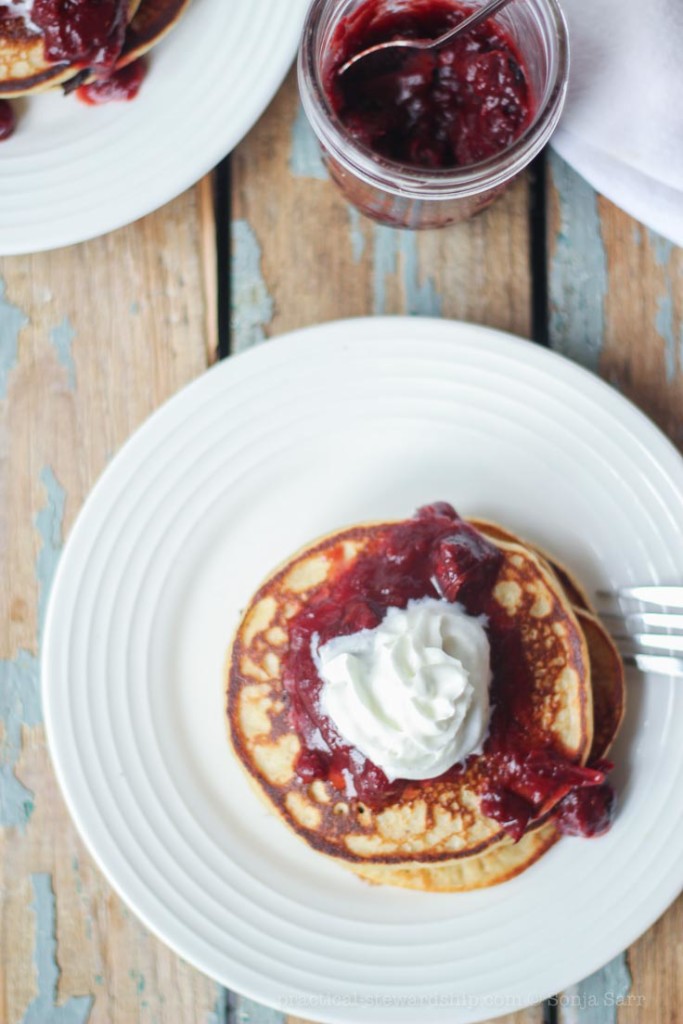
(346, 422)
(72, 172)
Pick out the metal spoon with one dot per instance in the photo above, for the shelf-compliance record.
(487, 11)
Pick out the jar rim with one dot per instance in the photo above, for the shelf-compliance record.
(422, 182)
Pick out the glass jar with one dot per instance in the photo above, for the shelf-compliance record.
(416, 197)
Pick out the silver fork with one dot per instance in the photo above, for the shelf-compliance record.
(650, 640)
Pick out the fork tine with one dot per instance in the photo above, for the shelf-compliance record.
(653, 620)
(656, 664)
(664, 597)
(658, 651)
(667, 644)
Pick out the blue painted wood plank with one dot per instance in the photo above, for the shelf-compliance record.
(252, 304)
(19, 675)
(597, 999)
(663, 250)
(43, 1009)
(221, 1009)
(12, 319)
(395, 252)
(578, 270)
(305, 160)
(246, 1011)
(62, 337)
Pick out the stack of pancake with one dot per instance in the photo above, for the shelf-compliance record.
(25, 69)
(435, 836)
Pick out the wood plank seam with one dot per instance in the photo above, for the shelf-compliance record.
(223, 220)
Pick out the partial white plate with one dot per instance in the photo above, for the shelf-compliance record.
(340, 423)
(73, 172)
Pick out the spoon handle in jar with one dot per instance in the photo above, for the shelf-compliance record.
(487, 11)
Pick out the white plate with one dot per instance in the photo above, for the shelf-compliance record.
(72, 172)
(345, 422)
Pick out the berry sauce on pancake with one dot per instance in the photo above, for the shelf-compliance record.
(437, 554)
(122, 84)
(85, 33)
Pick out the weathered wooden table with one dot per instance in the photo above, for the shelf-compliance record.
(93, 338)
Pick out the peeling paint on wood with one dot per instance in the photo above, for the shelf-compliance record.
(662, 250)
(357, 234)
(219, 1014)
(643, 313)
(138, 979)
(62, 337)
(19, 705)
(20, 676)
(11, 322)
(305, 160)
(597, 999)
(44, 1009)
(49, 524)
(396, 252)
(664, 322)
(578, 270)
(661, 247)
(245, 1011)
(252, 305)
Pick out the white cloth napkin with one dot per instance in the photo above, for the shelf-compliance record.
(623, 124)
(656, 205)
(626, 86)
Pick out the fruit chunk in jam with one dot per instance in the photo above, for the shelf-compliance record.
(437, 554)
(452, 107)
(86, 33)
(586, 812)
(123, 84)
(464, 561)
(523, 786)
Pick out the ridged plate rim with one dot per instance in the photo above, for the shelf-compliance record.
(209, 81)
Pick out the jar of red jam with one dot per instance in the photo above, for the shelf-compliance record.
(432, 139)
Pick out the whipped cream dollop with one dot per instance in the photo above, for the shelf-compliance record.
(412, 695)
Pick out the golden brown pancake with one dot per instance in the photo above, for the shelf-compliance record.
(435, 821)
(24, 68)
(499, 864)
(607, 682)
(572, 588)
(151, 23)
